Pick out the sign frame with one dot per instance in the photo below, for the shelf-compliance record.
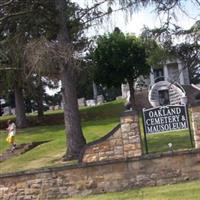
(185, 114)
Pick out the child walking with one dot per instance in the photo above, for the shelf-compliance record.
(11, 134)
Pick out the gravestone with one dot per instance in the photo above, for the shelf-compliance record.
(7, 110)
(81, 102)
(51, 108)
(100, 99)
(13, 111)
(56, 107)
(91, 102)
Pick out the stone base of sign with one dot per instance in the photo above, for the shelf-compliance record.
(196, 125)
(121, 143)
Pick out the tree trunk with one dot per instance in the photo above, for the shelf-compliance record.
(94, 86)
(21, 120)
(75, 138)
(132, 92)
(40, 107)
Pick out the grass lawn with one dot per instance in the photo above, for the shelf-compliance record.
(158, 142)
(96, 122)
(183, 191)
(49, 153)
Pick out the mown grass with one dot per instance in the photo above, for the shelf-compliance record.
(104, 111)
(96, 122)
(50, 153)
(184, 191)
(158, 142)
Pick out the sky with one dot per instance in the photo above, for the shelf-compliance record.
(148, 17)
(141, 18)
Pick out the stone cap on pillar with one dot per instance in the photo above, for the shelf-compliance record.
(128, 117)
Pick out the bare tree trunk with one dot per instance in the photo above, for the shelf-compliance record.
(75, 138)
(21, 120)
(132, 92)
(40, 107)
(94, 86)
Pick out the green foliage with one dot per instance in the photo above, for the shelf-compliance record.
(119, 57)
(187, 51)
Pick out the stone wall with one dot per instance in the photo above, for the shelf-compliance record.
(196, 125)
(122, 142)
(84, 179)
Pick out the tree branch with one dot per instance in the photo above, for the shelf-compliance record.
(6, 4)
(91, 8)
(198, 2)
(107, 13)
(15, 15)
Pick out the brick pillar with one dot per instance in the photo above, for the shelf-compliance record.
(130, 134)
(196, 125)
(121, 143)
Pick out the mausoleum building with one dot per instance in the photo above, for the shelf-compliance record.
(167, 84)
(172, 71)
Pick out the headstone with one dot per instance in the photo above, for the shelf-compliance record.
(91, 102)
(119, 98)
(100, 99)
(51, 107)
(125, 90)
(7, 110)
(13, 111)
(2, 101)
(56, 107)
(62, 105)
(81, 102)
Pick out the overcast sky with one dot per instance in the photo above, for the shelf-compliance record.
(148, 17)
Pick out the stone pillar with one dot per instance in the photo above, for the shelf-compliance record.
(124, 90)
(121, 143)
(166, 75)
(180, 69)
(196, 125)
(151, 77)
(131, 134)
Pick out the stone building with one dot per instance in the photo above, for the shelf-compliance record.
(167, 84)
(172, 71)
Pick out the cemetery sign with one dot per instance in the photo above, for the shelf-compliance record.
(165, 118)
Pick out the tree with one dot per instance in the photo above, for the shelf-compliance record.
(35, 94)
(38, 18)
(187, 50)
(16, 29)
(11, 56)
(120, 58)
